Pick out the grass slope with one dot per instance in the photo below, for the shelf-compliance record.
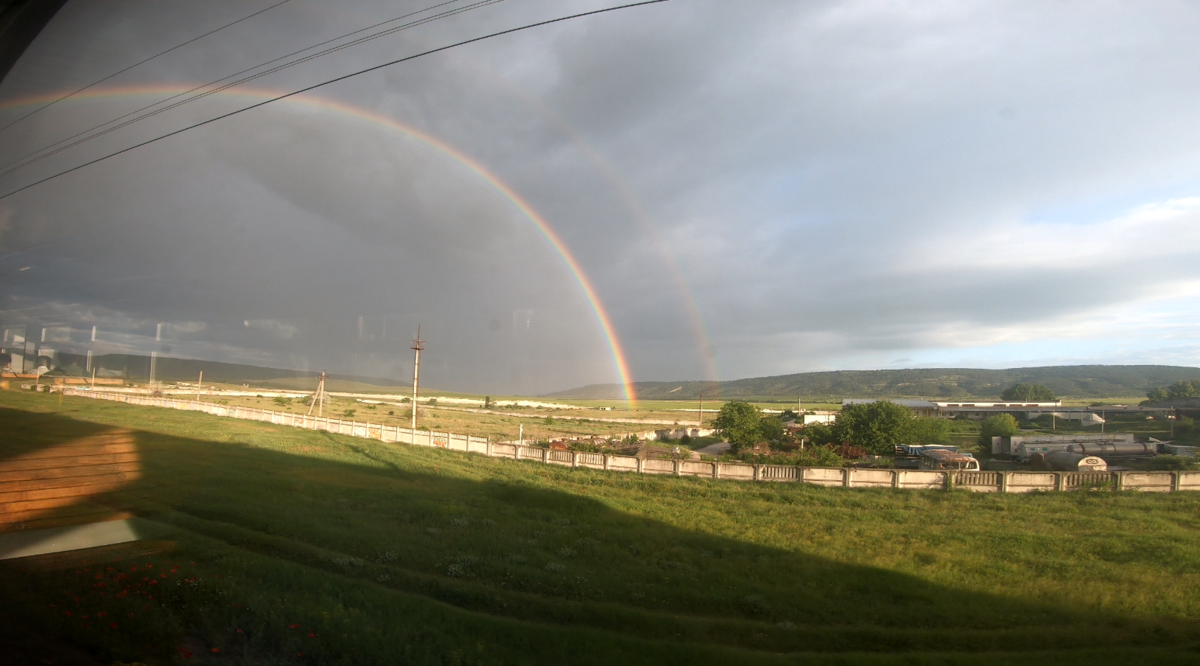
(1081, 381)
(291, 546)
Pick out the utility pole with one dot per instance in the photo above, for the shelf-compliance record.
(93, 379)
(701, 420)
(318, 399)
(199, 385)
(417, 345)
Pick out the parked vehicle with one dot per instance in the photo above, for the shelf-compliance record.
(941, 459)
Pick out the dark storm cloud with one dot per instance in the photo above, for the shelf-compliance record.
(835, 184)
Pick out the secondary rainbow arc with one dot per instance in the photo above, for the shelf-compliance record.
(545, 230)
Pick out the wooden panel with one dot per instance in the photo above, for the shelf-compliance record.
(48, 474)
(48, 463)
(108, 476)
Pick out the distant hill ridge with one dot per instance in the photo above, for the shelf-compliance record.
(137, 368)
(1079, 381)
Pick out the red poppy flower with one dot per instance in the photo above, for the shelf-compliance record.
(239, 631)
(216, 650)
(154, 582)
(112, 625)
(293, 626)
(312, 634)
(162, 575)
(101, 614)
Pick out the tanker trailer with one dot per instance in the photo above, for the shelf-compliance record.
(1114, 449)
(1065, 461)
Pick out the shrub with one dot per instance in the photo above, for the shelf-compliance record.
(348, 414)
(1172, 463)
(281, 401)
(998, 425)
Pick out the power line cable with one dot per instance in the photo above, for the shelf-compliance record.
(142, 62)
(42, 153)
(330, 81)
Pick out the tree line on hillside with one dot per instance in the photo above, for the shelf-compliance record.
(1092, 381)
(1180, 389)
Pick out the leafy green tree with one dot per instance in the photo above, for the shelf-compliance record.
(997, 425)
(930, 430)
(877, 426)
(1029, 393)
(1158, 394)
(740, 423)
(770, 429)
(819, 434)
(1184, 389)
(280, 400)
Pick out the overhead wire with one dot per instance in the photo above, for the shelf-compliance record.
(343, 77)
(96, 132)
(142, 62)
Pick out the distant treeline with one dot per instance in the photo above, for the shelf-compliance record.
(1080, 381)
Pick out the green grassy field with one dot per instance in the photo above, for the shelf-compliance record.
(284, 546)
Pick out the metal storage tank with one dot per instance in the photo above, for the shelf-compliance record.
(1066, 461)
(1114, 449)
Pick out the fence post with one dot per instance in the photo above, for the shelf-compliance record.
(574, 459)
(948, 481)
(895, 478)
(490, 451)
(846, 481)
(758, 473)
(678, 468)
(641, 468)
(1175, 481)
(546, 455)
(606, 462)
(1060, 482)
(716, 470)
(1120, 481)
(1004, 481)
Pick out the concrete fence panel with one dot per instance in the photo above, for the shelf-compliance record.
(870, 478)
(658, 466)
(504, 450)
(920, 479)
(623, 463)
(560, 458)
(691, 468)
(1030, 482)
(1188, 481)
(1152, 482)
(477, 445)
(591, 460)
(979, 482)
(529, 453)
(737, 471)
(778, 473)
(824, 476)
(1087, 480)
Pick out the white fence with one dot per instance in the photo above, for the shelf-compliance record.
(846, 477)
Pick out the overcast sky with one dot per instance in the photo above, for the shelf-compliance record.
(752, 188)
